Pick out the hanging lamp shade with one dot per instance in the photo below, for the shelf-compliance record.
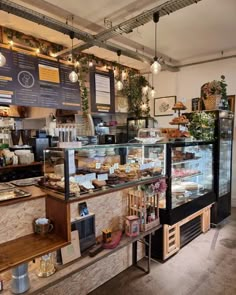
(155, 66)
(119, 84)
(73, 76)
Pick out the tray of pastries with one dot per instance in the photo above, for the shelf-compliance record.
(179, 106)
(181, 120)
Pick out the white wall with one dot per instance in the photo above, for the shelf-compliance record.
(187, 83)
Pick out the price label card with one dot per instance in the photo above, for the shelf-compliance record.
(111, 170)
(182, 128)
(152, 133)
(127, 169)
(98, 165)
(88, 184)
(142, 166)
(132, 161)
(80, 179)
(90, 176)
(116, 166)
(71, 154)
(102, 176)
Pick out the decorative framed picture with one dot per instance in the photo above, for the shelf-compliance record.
(163, 106)
(196, 104)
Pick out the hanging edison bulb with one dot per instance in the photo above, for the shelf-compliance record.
(119, 85)
(145, 89)
(2, 60)
(153, 92)
(155, 67)
(73, 76)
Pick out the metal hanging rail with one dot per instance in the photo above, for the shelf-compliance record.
(100, 38)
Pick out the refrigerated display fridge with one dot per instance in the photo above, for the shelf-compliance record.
(223, 165)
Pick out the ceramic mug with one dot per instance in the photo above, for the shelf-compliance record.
(42, 226)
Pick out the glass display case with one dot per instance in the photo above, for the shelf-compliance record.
(100, 168)
(134, 124)
(190, 180)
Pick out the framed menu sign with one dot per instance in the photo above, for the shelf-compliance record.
(37, 81)
(102, 91)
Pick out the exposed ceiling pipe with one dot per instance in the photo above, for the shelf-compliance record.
(98, 40)
(206, 61)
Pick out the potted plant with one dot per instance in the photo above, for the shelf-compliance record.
(214, 94)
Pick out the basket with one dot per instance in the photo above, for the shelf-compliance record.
(212, 102)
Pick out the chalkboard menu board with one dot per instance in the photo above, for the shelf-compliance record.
(102, 91)
(29, 80)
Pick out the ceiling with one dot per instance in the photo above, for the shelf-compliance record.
(195, 33)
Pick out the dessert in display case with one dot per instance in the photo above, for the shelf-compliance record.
(190, 180)
(134, 124)
(87, 170)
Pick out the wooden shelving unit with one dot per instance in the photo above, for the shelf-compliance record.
(67, 270)
(26, 248)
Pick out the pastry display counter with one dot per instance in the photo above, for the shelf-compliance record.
(190, 180)
(94, 170)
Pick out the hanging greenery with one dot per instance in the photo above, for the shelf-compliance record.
(202, 125)
(138, 101)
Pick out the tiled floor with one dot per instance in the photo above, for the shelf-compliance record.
(206, 266)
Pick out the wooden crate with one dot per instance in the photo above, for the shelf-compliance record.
(139, 203)
(171, 233)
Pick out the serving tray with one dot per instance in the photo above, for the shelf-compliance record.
(13, 194)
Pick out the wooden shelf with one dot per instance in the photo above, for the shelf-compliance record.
(26, 248)
(64, 271)
(21, 165)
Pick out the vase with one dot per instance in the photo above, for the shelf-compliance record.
(212, 102)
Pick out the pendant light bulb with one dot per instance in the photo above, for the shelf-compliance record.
(73, 77)
(153, 92)
(155, 67)
(119, 85)
(2, 60)
(145, 89)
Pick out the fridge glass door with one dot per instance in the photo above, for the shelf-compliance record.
(225, 156)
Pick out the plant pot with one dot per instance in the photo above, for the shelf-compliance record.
(212, 102)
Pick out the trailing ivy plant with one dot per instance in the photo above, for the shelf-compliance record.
(133, 90)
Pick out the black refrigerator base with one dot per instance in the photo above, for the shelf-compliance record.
(221, 209)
